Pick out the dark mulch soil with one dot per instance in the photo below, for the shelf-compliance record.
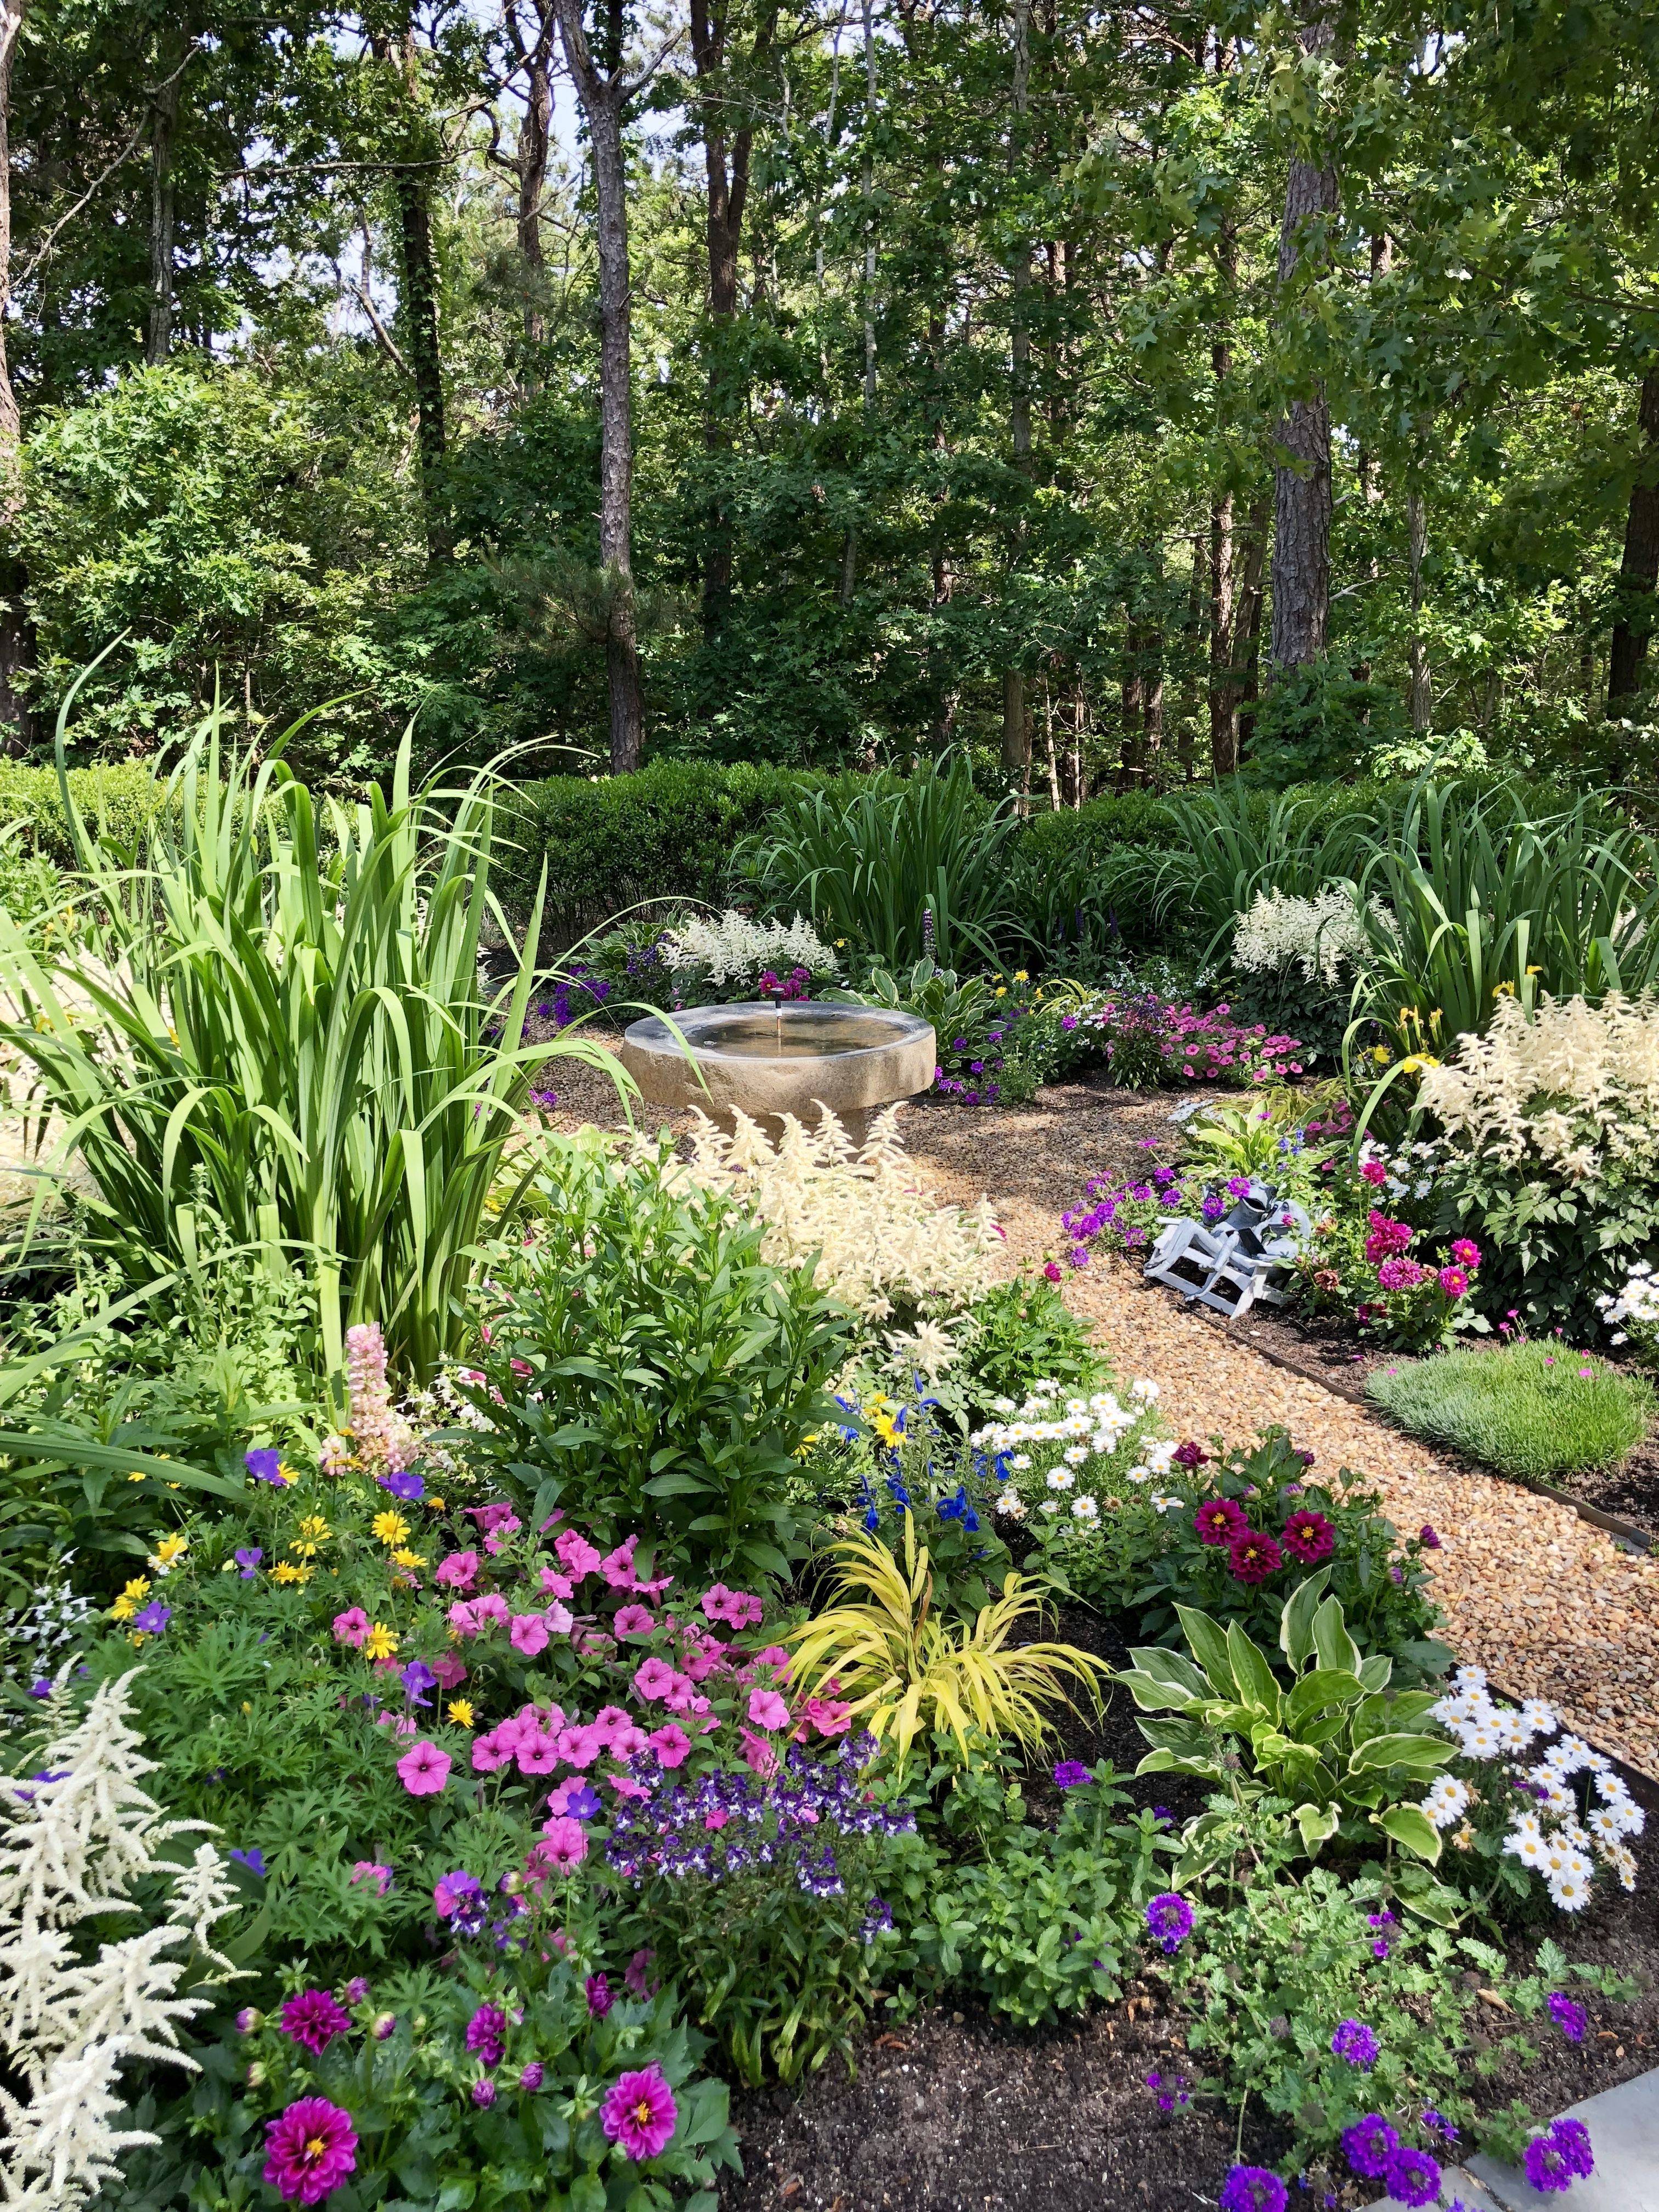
(954, 2111)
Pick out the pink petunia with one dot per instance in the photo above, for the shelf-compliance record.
(554, 1585)
(488, 1751)
(714, 1602)
(634, 1620)
(767, 1709)
(528, 1634)
(536, 1752)
(559, 1618)
(424, 1771)
(564, 1843)
(581, 1746)
(371, 1870)
(352, 1627)
(654, 1680)
(759, 1755)
(625, 1786)
(492, 1609)
(717, 1819)
(448, 1671)
(671, 1743)
(775, 1656)
(609, 1718)
(617, 1566)
(459, 1571)
(627, 1741)
(579, 1558)
(462, 1617)
(828, 1716)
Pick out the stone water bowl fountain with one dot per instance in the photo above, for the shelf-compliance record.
(768, 1060)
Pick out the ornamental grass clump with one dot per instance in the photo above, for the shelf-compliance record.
(904, 1672)
(1534, 1411)
(286, 1021)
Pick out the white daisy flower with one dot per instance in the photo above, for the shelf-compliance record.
(1009, 1506)
(1529, 1849)
(1002, 1405)
(1160, 1458)
(1060, 1478)
(1481, 1740)
(1075, 1455)
(1084, 1509)
(1539, 1717)
(1604, 1823)
(1612, 1786)
(1020, 1460)
(1147, 1390)
(1514, 1730)
(1571, 1892)
(1164, 1503)
(1470, 1678)
(1140, 1474)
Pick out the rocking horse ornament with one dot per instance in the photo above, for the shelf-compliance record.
(1231, 1265)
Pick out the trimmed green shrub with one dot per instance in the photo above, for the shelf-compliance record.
(116, 801)
(1532, 1411)
(667, 831)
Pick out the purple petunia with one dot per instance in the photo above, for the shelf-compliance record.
(1253, 2189)
(1368, 2145)
(1560, 2156)
(1412, 2176)
(1355, 2043)
(1170, 1920)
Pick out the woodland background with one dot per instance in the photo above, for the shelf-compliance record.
(1120, 391)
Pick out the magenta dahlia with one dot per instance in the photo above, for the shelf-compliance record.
(1218, 1521)
(313, 2019)
(1307, 1536)
(311, 2148)
(1254, 1556)
(640, 2114)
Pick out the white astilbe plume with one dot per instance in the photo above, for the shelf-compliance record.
(880, 1238)
(74, 1838)
(1318, 934)
(735, 946)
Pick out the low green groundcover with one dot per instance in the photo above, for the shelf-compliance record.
(1534, 1411)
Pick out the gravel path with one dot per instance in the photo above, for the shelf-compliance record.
(1549, 1605)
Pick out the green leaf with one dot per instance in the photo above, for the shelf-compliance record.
(1411, 1829)
(1296, 1619)
(1209, 1641)
(1318, 1825)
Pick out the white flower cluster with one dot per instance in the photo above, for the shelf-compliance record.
(881, 1241)
(1555, 1837)
(1084, 1428)
(1635, 1308)
(73, 1840)
(43, 1632)
(1318, 934)
(733, 946)
(1572, 1089)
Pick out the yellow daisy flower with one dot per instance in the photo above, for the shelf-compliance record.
(460, 1711)
(381, 1642)
(391, 1528)
(168, 1553)
(284, 1572)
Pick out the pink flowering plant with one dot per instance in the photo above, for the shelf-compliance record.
(1149, 1042)
(550, 2069)
(1369, 1262)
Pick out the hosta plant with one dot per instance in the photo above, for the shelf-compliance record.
(904, 1671)
(1337, 1746)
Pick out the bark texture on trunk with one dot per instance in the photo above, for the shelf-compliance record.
(1302, 483)
(1016, 723)
(164, 127)
(726, 158)
(1638, 571)
(1420, 693)
(604, 95)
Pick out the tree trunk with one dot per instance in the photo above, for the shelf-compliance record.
(1638, 572)
(534, 134)
(1249, 606)
(1198, 583)
(164, 126)
(1302, 483)
(602, 95)
(726, 167)
(1417, 654)
(420, 303)
(1016, 728)
(1223, 683)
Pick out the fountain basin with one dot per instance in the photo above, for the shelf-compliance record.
(767, 1061)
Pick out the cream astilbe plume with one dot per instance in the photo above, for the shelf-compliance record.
(735, 946)
(73, 1840)
(1573, 1088)
(880, 1239)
